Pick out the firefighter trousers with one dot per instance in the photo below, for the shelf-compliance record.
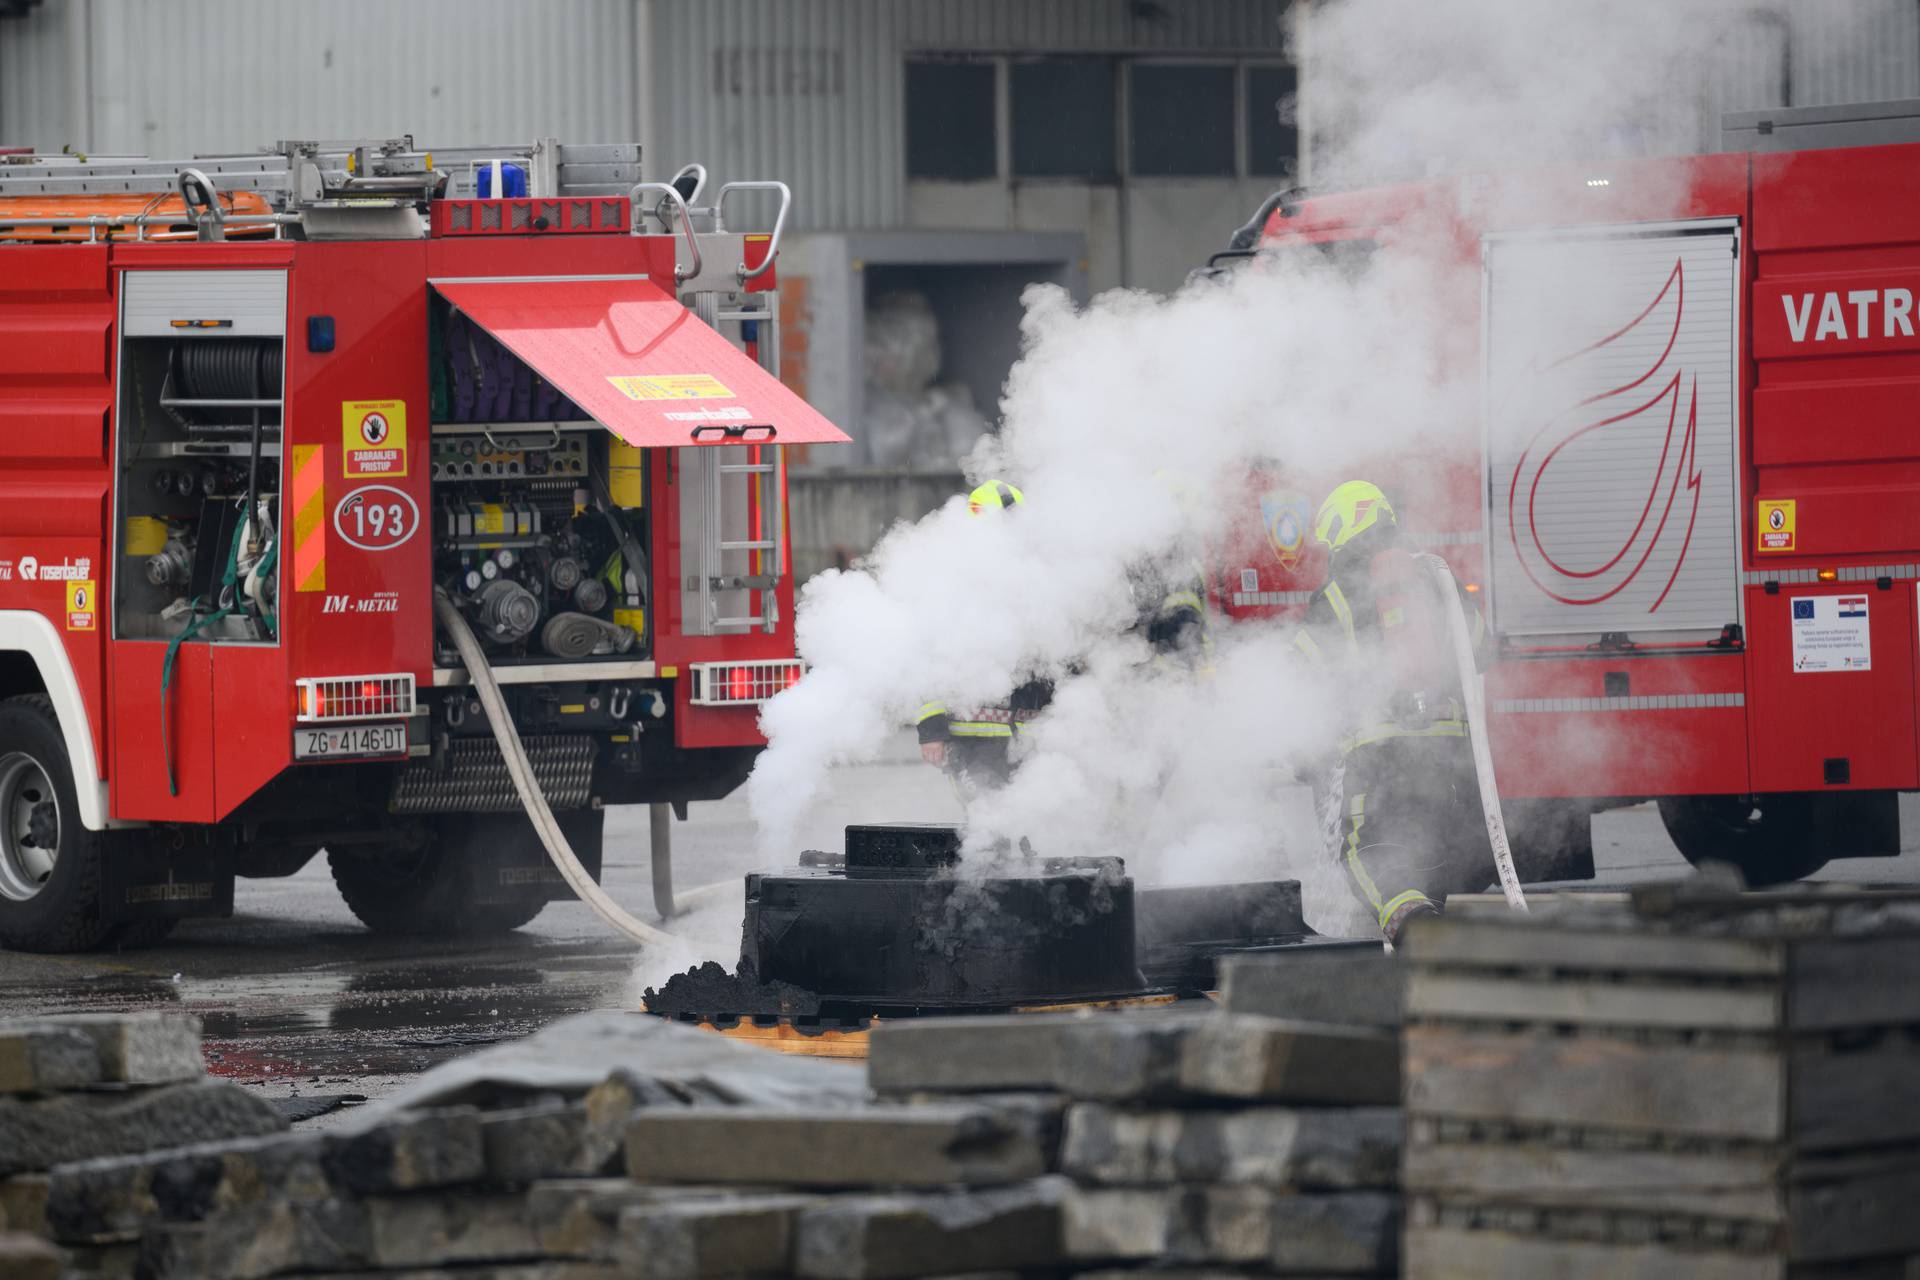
(978, 765)
(1407, 826)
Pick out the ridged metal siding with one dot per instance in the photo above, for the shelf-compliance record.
(842, 143)
(193, 76)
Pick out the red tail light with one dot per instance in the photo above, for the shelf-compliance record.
(739, 684)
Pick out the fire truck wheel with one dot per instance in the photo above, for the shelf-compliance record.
(1771, 839)
(49, 862)
(420, 891)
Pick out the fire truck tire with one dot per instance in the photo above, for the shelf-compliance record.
(45, 909)
(1771, 839)
(421, 892)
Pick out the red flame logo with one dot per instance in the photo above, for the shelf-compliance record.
(1662, 391)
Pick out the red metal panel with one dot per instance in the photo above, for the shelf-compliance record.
(1802, 719)
(142, 740)
(1834, 199)
(368, 609)
(638, 361)
(44, 343)
(1647, 751)
(255, 737)
(63, 426)
(48, 273)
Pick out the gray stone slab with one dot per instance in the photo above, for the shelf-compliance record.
(737, 1236)
(1350, 987)
(43, 1132)
(922, 1146)
(1353, 1232)
(526, 1144)
(44, 1059)
(880, 1236)
(261, 1240)
(1249, 1057)
(409, 1152)
(573, 1055)
(1317, 1148)
(113, 1197)
(1088, 1055)
(543, 1270)
(28, 1257)
(1168, 1224)
(580, 1217)
(23, 1204)
(155, 1046)
(449, 1227)
(1139, 1056)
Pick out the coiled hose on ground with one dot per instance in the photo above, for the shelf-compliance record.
(1474, 694)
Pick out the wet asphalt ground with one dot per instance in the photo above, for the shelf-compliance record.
(302, 1003)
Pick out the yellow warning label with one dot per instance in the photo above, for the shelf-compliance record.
(671, 386)
(374, 438)
(82, 607)
(1776, 524)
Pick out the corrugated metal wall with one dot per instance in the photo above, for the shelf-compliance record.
(221, 75)
(811, 90)
(807, 90)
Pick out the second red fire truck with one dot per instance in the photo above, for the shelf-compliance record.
(1690, 503)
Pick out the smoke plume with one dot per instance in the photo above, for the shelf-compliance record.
(1132, 423)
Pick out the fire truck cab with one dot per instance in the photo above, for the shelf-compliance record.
(1691, 500)
(257, 411)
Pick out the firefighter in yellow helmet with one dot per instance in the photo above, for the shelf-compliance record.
(975, 745)
(1397, 796)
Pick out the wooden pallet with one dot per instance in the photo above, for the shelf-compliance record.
(1594, 1092)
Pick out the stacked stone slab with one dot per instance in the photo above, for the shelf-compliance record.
(1702, 1089)
(1205, 1141)
(104, 1084)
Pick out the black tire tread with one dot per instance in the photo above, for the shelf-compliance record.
(420, 906)
(78, 926)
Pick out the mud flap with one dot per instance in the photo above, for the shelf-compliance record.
(143, 876)
(502, 860)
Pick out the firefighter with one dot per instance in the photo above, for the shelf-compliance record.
(1397, 798)
(976, 745)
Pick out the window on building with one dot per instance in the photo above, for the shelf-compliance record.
(1180, 120)
(1273, 143)
(950, 128)
(1063, 119)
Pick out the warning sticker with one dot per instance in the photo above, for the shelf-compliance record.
(1249, 579)
(671, 386)
(1830, 633)
(374, 436)
(82, 608)
(1776, 524)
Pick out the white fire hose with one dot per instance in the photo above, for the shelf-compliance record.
(524, 782)
(1474, 692)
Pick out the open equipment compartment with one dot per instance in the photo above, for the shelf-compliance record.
(198, 451)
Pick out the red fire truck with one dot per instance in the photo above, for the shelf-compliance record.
(256, 411)
(1690, 503)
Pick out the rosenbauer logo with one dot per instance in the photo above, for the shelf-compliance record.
(31, 570)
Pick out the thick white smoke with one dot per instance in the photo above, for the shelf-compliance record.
(1131, 425)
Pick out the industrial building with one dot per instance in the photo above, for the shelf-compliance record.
(944, 154)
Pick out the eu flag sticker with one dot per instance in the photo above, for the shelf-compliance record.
(1803, 608)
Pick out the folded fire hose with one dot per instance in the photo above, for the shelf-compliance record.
(1474, 694)
(524, 782)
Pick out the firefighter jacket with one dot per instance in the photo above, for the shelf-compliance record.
(939, 723)
(1379, 625)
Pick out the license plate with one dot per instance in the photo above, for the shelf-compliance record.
(350, 742)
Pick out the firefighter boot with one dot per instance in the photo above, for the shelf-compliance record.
(1417, 908)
